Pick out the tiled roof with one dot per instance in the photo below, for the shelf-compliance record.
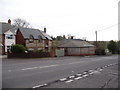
(26, 32)
(4, 27)
(46, 35)
(74, 43)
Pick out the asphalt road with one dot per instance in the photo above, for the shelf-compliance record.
(61, 72)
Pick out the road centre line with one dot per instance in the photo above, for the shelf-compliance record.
(40, 67)
(50, 66)
(76, 62)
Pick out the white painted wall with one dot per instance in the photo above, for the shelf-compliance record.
(9, 42)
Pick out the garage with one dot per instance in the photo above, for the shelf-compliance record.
(76, 47)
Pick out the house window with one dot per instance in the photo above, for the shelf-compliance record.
(40, 39)
(9, 36)
(31, 39)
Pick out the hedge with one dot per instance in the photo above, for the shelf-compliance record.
(29, 55)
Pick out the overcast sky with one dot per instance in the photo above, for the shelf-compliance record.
(80, 18)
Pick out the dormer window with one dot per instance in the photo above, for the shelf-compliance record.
(9, 36)
(39, 39)
(31, 39)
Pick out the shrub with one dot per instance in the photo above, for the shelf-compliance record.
(17, 48)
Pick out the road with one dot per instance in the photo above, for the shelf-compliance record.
(61, 72)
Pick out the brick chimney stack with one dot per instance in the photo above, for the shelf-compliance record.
(72, 37)
(45, 30)
(9, 21)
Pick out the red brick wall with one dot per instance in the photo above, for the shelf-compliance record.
(20, 38)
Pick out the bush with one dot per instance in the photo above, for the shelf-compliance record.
(100, 52)
(17, 48)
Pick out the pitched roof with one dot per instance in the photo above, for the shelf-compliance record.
(74, 43)
(26, 32)
(46, 35)
(4, 27)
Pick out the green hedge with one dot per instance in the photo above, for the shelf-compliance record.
(17, 48)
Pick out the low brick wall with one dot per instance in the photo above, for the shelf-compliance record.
(29, 55)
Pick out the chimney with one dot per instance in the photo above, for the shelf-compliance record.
(45, 30)
(9, 21)
(72, 37)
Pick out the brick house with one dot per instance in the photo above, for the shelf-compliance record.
(33, 39)
(3, 28)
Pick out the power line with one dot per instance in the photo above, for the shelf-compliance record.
(104, 29)
(109, 27)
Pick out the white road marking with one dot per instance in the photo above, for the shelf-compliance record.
(39, 85)
(90, 70)
(100, 69)
(91, 73)
(84, 72)
(105, 66)
(76, 62)
(78, 78)
(40, 67)
(78, 74)
(29, 68)
(95, 72)
(71, 76)
(85, 75)
(63, 79)
(68, 81)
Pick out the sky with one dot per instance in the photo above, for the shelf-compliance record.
(79, 18)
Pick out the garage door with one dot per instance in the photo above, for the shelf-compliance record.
(73, 51)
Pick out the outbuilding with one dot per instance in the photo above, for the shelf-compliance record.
(76, 47)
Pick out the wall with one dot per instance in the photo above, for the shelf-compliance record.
(79, 51)
(50, 44)
(73, 51)
(9, 41)
(91, 50)
(19, 38)
(35, 45)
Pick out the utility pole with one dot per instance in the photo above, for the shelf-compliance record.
(96, 38)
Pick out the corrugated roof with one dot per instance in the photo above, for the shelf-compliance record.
(74, 43)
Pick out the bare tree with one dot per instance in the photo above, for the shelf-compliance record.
(21, 23)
